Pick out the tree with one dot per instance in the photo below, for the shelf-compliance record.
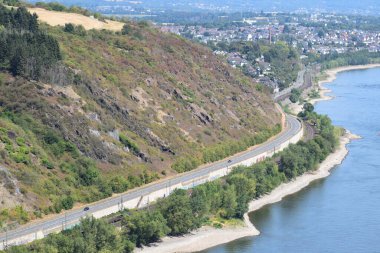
(87, 172)
(118, 184)
(199, 202)
(91, 236)
(229, 202)
(176, 209)
(295, 95)
(17, 63)
(67, 202)
(24, 49)
(127, 29)
(245, 191)
(69, 28)
(144, 227)
(308, 107)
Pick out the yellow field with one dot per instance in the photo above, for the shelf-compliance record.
(55, 18)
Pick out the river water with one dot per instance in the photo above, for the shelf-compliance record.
(340, 213)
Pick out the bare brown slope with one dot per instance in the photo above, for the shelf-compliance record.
(178, 90)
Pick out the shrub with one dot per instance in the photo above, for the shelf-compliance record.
(67, 202)
(295, 95)
(118, 184)
(47, 164)
(127, 29)
(129, 144)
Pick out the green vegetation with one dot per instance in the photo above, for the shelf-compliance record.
(223, 150)
(17, 213)
(335, 60)
(314, 94)
(11, 2)
(31, 146)
(145, 227)
(90, 236)
(78, 30)
(129, 144)
(24, 49)
(47, 146)
(183, 211)
(295, 95)
(284, 59)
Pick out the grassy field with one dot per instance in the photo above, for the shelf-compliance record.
(55, 18)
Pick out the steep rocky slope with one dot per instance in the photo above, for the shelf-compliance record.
(120, 110)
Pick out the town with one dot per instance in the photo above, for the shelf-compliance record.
(313, 36)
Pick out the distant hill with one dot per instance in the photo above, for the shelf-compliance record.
(87, 113)
(338, 6)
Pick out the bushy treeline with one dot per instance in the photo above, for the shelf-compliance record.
(89, 237)
(335, 60)
(11, 2)
(221, 151)
(184, 211)
(24, 49)
(18, 19)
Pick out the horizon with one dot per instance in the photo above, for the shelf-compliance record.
(365, 7)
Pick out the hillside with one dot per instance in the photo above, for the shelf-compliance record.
(84, 114)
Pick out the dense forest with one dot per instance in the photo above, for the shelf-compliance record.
(25, 50)
(214, 203)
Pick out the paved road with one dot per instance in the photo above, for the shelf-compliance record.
(71, 217)
(297, 84)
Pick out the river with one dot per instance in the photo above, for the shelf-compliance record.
(340, 213)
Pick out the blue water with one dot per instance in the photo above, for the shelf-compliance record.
(340, 213)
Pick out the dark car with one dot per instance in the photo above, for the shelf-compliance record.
(86, 208)
(229, 161)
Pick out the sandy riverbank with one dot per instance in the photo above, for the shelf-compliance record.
(332, 73)
(329, 76)
(207, 237)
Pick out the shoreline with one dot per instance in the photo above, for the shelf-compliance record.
(331, 75)
(304, 180)
(208, 237)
